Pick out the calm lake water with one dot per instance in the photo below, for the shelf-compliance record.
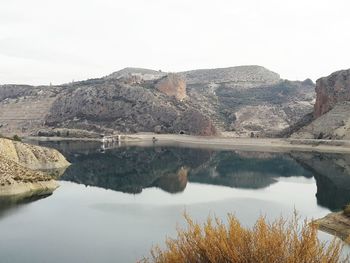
(113, 205)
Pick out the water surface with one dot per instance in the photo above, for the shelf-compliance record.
(113, 205)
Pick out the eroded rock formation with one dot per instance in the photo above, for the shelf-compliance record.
(331, 90)
(17, 164)
(31, 156)
(331, 110)
(18, 180)
(173, 85)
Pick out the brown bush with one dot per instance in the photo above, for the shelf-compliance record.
(346, 210)
(276, 242)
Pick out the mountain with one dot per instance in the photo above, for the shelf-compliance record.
(332, 109)
(233, 101)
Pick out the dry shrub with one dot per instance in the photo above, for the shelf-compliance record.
(276, 242)
(346, 210)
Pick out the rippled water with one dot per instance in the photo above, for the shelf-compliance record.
(113, 205)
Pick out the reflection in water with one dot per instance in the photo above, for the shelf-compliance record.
(131, 169)
(332, 174)
(12, 203)
(91, 224)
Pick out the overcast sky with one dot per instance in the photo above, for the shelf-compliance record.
(43, 41)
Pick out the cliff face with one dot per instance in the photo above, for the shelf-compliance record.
(173, 85)
(331, 90)
(331, 110)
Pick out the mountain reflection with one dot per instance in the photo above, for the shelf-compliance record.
(131, 169)
(10, 204)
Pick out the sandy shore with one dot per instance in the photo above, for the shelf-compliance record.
(249, 144)
(252, 144)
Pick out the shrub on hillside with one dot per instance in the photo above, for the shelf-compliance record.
(280, 241)
(17, 138)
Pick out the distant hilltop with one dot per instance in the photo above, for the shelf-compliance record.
(234, 101)
(232, 74)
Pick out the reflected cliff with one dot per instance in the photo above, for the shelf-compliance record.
(132, 169)
(332, 174)
(10, 204)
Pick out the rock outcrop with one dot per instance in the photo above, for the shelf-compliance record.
(173, 85)
(18, 180)
(31, 156)
(331, 110)
(331, 90)
(17, 164)
(336, 224)
(138, 73)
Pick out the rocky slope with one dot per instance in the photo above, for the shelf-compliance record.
(235, 101)
(17, 164)
(30, 156)
(248, 76)
(331, 90)
(240, 106)
(332, 109)
(337, 224)
(18, 180)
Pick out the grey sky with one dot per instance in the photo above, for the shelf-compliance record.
(43, 41)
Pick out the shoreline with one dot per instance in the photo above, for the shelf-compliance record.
(250, 144)
(336, 224)
(26, 190)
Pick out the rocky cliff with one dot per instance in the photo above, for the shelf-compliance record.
(173, 85)
(232, 101)
(332, 109)
(331, 90)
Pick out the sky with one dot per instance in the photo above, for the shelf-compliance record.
(58, 41)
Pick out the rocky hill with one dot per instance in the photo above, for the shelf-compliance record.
(242, 105)
(233, 101)
(248, 76)
(332, 109)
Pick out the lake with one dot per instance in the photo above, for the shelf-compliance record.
(114, 204)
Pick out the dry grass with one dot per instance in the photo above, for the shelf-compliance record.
(276, 242)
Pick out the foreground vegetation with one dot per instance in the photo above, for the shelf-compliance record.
(346, 210)
(276, 242)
